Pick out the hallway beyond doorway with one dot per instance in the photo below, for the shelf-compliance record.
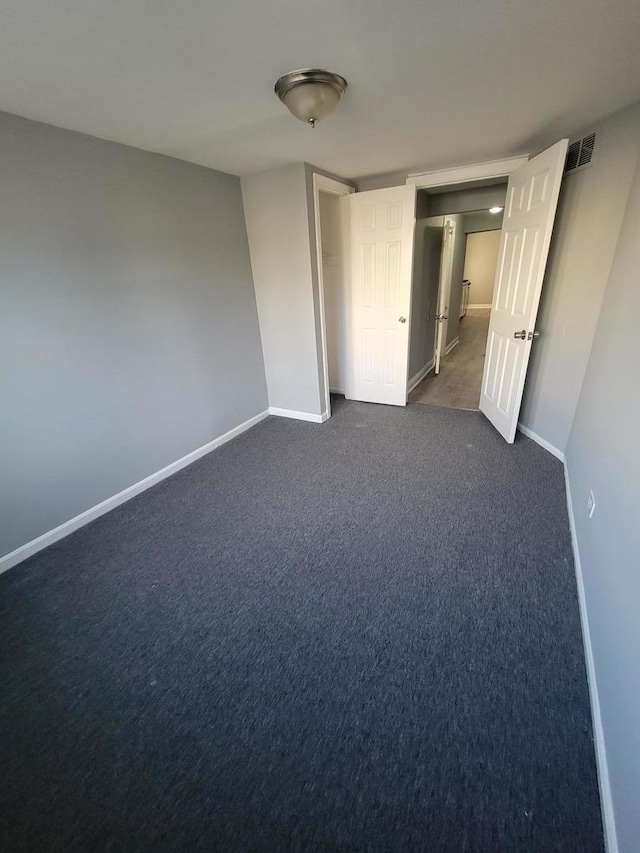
(458, 384)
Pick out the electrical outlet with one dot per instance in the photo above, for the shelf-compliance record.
(591, 503)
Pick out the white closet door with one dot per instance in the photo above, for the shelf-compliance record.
(530, 207)
(382, 229)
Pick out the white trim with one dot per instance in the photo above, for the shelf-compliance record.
(328, 185)
(541, 441)
(454, 343)
(604, 783)
(466, 174)
(606, 799)
(298, 416)
(479, 305)
(30, 548)
(417, 378)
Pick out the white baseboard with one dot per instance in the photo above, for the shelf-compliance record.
(541, 441)
(52, 536)
(30, 548)
(417, 378)
(454, 343)
(606, 799)
(479, 305)
(298, 416)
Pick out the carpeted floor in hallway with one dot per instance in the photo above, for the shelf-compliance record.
(356, 636)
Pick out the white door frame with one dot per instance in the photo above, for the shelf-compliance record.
(466, 174)
(456, 176)
(321, 183)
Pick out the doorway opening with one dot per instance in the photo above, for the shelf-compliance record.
(455, 260)
(379, 230)
(335, 303)
(332, 256)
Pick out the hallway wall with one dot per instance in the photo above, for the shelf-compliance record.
(482, 220)
(480, 265)
(424, 292)
(466, 200)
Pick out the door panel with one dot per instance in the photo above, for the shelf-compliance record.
(444, 293)
(382, 227)
(532, 198)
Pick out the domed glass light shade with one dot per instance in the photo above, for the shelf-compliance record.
(310, 94)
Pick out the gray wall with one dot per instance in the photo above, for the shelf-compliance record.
(590, 211)
(463, 201)
(277, 213)
(482, 220)
(602, 454)
(128, 328)
(424, 292)
(480, 263)
(380, 182)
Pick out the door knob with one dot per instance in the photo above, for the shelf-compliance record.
(403, 319)
(520, 335)
(533, 335)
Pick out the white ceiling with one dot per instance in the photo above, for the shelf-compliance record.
(431, 83)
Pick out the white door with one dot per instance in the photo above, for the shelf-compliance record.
(444, 292)
(382, 228)
(530, 207)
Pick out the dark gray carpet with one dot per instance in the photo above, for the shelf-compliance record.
(360, 636)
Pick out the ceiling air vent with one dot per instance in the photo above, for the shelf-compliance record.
(580, 153)
(573, 155)
(586, 150)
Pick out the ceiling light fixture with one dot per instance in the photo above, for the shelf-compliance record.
(310, 94)
(496, 209)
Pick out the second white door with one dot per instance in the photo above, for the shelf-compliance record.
(444, 292)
